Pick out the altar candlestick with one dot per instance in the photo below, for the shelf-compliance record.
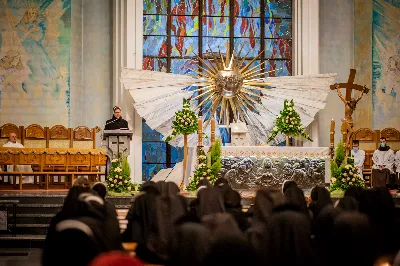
(332, 125)
(212, 131)
(200, 131)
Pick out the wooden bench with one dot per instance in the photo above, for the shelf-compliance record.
(48, 163)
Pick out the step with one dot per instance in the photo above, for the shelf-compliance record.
(22, 241)
(32, 229)
(39, 208)
(27, 199)
(33, 218)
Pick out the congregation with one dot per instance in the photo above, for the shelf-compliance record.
(282, 227)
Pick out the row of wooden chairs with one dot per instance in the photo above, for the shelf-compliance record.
(58, 136)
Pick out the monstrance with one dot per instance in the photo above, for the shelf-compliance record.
(225, 85)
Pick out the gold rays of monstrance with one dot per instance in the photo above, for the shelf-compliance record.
(230, 86)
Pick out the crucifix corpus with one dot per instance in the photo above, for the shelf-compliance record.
(350, 104)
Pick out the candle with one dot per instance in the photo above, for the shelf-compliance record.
(212, 130)
(332, 125)
(200, 131)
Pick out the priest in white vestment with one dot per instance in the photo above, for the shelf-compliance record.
(359, 157)
(383, 159)
(12, 143)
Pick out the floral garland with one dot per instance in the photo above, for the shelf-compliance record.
(118, 179)
(185, 122)
(288, 122)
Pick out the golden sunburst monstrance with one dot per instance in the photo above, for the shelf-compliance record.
(229, 85)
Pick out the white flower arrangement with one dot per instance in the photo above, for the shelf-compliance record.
(288, 122)
(185, 122)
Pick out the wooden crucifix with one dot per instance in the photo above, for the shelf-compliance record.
(350, 104)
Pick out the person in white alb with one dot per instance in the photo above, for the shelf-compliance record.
(12, 143)
(359, 157)
(383, 159)
(397, 165)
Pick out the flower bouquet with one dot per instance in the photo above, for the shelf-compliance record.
(118, 179)
(288, 122)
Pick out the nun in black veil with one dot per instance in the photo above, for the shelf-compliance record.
(167, 209)
(75, 242)
(288, 241)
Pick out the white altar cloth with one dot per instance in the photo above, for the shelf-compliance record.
(276, 151)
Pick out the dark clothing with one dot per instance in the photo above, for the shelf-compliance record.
(115, 123)
(380, 177)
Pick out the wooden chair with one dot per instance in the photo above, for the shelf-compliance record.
(35, 136)
(6, 129)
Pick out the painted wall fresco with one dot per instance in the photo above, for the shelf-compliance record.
(386, 64)
(34, 61)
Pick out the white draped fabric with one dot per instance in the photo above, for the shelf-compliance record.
(157, 96)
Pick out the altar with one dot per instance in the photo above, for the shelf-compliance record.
(254, 167)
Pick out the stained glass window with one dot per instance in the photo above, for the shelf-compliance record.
(176, 31)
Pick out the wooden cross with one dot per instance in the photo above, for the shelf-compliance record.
(349, 86)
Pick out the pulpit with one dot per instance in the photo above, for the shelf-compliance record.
(116, 142)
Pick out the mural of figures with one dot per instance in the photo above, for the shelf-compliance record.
(34, 61)
(386, 64)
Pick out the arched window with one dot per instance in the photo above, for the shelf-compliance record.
(176, 31)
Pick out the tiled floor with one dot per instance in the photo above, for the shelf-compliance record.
(20, 257)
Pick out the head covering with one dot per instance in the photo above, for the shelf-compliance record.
(78, 237)
(354, 192)
(288, 240)
(101, 189)
(150, 187)
(232, 200)
(348, 204)
(190, 245)
(167, 188)
(209, 200)
(287, 184)
(352, 231)
(378, 205)
(266, 199)
(324, 231)
(168, 209)
(203, 183)
(139, 217)
(231, 250)
(221, 225)
(115, 258)
(82, 182)
(321, 198)
(295, 196)
(221, 181)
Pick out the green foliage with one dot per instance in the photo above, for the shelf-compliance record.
(343, 172)
(288, 122)
(118, 180)
(340, 153)
(216, 160)
(202, 172)
(126, 169)
(185, 122)
(207, 172)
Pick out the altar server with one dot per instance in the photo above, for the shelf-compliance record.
(383, 159)
(359, 157)
(12, 143)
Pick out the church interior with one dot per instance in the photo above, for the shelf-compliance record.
(130, 127)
